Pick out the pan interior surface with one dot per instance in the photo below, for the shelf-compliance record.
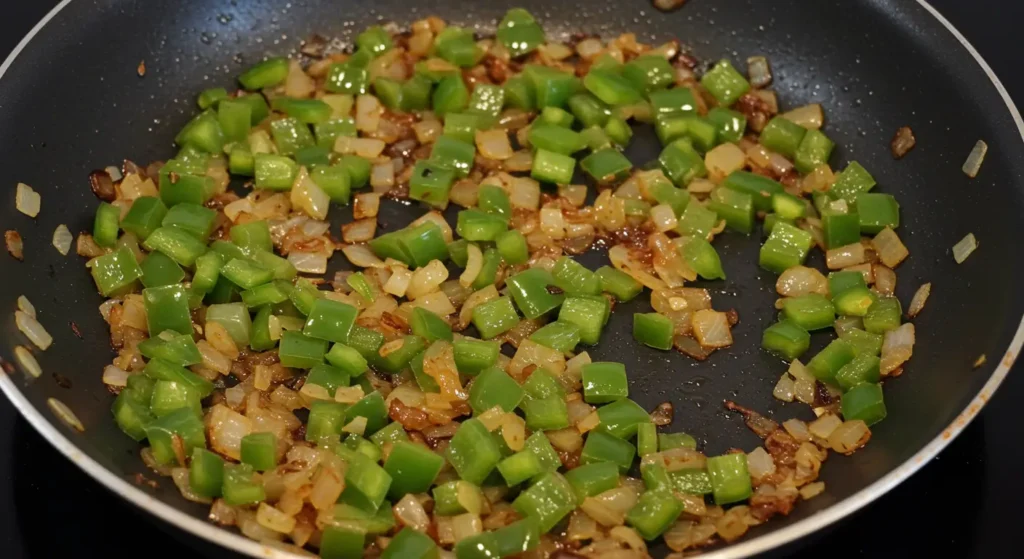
(74, 102)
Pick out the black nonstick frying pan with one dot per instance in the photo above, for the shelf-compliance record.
(71, 101)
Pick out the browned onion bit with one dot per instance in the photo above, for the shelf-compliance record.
(15, 246)
(314, 46)
(102, 185)
(902, 142)
(141, 70)
(663, 414)
(668, 5)
(759, 424)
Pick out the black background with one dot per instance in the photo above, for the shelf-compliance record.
(964, 503)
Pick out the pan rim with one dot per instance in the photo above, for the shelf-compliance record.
(777, 538)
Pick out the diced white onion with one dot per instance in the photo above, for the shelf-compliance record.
(308, 197)
(26, 306)
(382, 176)
(975, 159)
(845, 256)
(890, 249)
(801, 280)
(759, 72)
(919, 299)
(711, 328)
(28, 361)
(115, 376)
(62, 239)
(27, 200)
(359, 231)
(474, 263)
(723, 159)
(273, 519)
(427, 279)
(309, 262)
(760, 463)
(897, 348)
(664, 218)
(410, 512)
(494, 144)
(33, 330)
(362, 256)
(64, 413)
(809, 116)
(964, 248)
(366, 204)
(238, 207)
(368, 113)
(226, 428)
(824, 425)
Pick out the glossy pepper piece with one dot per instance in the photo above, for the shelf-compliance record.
(883, 315)
(602, 447)
(736, 208)
(783, 136)
(653, 513)
(330, 320)
(725, 83)
(730, 479)
(593, 478)
(622, 418)
(115, 271)
(811, 311)
(606, 165)
(520, 32)
(552, 167)
(167, 309)
(864, 402)
(473, 452)
(494, 387)
(473, 355)
(412, 467)
(787, 246)
(561, 336)
(588, 313)
(618, 283)
(653, 330)
(787, 339)
(495, 317)
(549, 500)
(178, 244)
(531, 293)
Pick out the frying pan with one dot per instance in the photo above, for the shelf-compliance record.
(72, 102)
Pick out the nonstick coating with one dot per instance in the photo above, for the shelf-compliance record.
(72, 102)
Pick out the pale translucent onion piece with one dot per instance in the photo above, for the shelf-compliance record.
(62, 239)
(28, 361)
(27, 201)
(64, 413)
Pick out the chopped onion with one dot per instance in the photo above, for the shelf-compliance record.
(919, 299)
(226, 428)
(474, 263)
(801, 280)
(398, 283)
(368, 113)
(552, 223)
(359, 255)
(975, 159)
(308, 197)
(824, 425)
(64, 413)
(273, 519)
(711, 328)
(382, 176)
(797, 429)
(27, 200)
(33, 330)
(427, 130)
(28, 361)
(327, 487)
(494, 144)
(26, 306)
(818, 180)
(785, 389)
(356, 426)
(566, 440)
(410, 512)
(964, 248)
(115, 376)
(760, 463)
(365, 204)
(812, 490)
(436, 302)
(532, 353)
(310, 262)
(845, 256)
(885, 279)
(849, 436)
(759, 71)
(723, 159)
(359, 231)
(809, 116)
(466, 525)
(215, 360)
(427, 279)
(890, 249)
(62, 239)
(369, 148)
(297, 83)
(897, 348)
(438, 219)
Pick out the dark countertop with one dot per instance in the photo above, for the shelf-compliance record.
(961, 504)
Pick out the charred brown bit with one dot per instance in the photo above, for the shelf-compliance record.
(759, 424)
(314, 46)
(62, 381)
(15, 246)
(902, 142)
(668, 5)
(141, 70)
(663, 414)
(102, 185)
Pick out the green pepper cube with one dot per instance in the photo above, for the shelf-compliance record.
(476, 225)
(552, 167)
(326, 418)
(618, 283)
(530, 291)
(811, 311)
(725, 83)
(366, 483)
(787, 246)
(347, 77)
(473, 452)
(697, 221)
(144, 216)
(259, 451)
(851, 182)
(736, 208)
(300, 351)
(652, 330)
(654, 512)
(840, 229)
(267, 73)
(864, 402)
(274, 172)
(730, 124)
(338, 542)
(115, 271)
(495, 317)
(883, 315)
(604, 382)
(412, 467)
(183, 247)
(554, 138)
(560, 336)
(411, 544)
(814, 150)
(450, 96)
(681, 163)
(606, 165)
(730, 479)
(649, 72)
(473, 355)
(783, 136)
(588, 313)
(542, 384)
(512, 247)
(702, 258)
(592, 479)
(549, 500)
(180, 429)
(787, 339)
(622, 418)
(829, 361)
(546, 414)
(864, 368)
(520, 467)
(206, 473)
(876, 212)
(646, 439)
(551, 87)
(762, 189)
(167, 309)
(602, 447)
(330, 320)
(520, 32)
(494, 387)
